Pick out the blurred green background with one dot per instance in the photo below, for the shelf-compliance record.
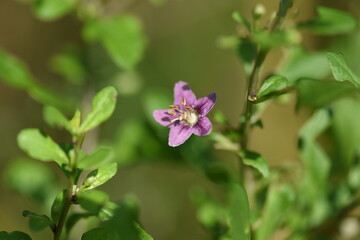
(182, 45)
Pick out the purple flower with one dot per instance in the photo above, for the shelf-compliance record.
(187, 115)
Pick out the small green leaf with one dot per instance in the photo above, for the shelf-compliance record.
(340, 69)
(277, 204)
(270, 87)
(41, 147)
(303, 64)
(99, 234)
(92, 201)
(100, 176)
(122, 36)
(330, 22)
(31, 179)
(16, 235)
(238, 18)
(142, 234)
(52, 9)
(99, 157)
(54, 117)
(107, 211)
(14, 73)
(276, 38)
(74, 218)
(239, 213)
(316, 94)
(37, 222)
(57, 206)
(103, 106)
(70, 65)
(256, 161)
(75, 121)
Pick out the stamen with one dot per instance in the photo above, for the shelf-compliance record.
(183, 101)
(176, 107)
(173, 120)
(172, 112)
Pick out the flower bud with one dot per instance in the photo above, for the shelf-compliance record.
(258, 11)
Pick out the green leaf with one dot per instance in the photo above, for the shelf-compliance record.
(52, 9)
(41, 147)
(276, 38)
(247, 53)
(107, 211)
(330, 22)
(277, 204)
(256, 161)
(14, 73)
(340, 69)
(103, 105)
(31, 179)
(16, 235)
(239, 213)
(271, 87)
(92, 201)
(316, 94)
(54, 117)
(99, 176)
(57, 206)
(99, 234)
(346, 132)
(317, 124)
(303, 64)
(238, 18)
(74, 218)
(99, 157)
(37, 222)
(122, 36)
(142, 234)
(70, 65)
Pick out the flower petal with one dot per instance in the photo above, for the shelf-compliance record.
(163, 117)
(205, 104)
(179, 134)
(202, 127)
(181, 91)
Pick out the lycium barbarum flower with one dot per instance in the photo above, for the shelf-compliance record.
(187, 115)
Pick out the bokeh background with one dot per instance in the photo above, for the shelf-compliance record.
(182, 45)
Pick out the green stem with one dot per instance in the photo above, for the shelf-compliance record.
(70, 192)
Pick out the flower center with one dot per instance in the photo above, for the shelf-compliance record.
(187, 116)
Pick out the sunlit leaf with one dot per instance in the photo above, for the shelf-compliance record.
(271, 87)
(256, 161)
(107, 211)
(303, 64)
(99, 176)
(98, 157)
(330, 21)
(239, 213)
(122, 36)
(52, 9)
(41, 147)
(54, 117)
(340, 69)
(103, 105)
(37, 222)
